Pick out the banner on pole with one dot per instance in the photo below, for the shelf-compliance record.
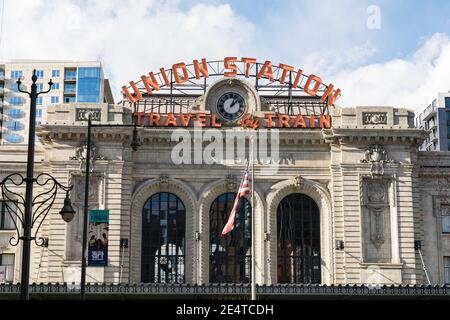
(98, 237)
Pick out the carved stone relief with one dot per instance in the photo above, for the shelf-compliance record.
(374, 118)
(231, 182)
(81, 154)
(376, 220)
(377, 156)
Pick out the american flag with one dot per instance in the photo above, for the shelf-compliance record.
(243, 190)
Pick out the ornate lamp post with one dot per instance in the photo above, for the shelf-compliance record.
(25, 218)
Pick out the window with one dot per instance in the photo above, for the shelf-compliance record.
(445, 214)
(69, 99)
(88, 85)
(6, 222)
(39, 87)
(14, 138)
(163, 239)
(230, 256)
(55, 73)
(14, 113)
(39, 101)
(16, 100)
(13, 87)
(55, 86)
(38, 113)
(298, 240)
(14, 125)
(447, 102)
(6, 268)
(55, 99)
(447, 270)
(70, 87)
(40, 74)
(16, 74)
(70, 74)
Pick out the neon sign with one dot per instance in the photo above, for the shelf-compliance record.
(282, 73)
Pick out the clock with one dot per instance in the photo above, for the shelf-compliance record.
(231, 106)
(230, 99)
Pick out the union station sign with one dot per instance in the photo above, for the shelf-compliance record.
(283, 74)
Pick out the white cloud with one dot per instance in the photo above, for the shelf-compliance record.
(129, 37)
(134, 37)
(409, 82)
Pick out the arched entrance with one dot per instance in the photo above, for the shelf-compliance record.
(163, 239)
(298, 240)
(230, 256)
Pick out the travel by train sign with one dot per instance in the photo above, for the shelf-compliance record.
(282, 74)
(201, 119)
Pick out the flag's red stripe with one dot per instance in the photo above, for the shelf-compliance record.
(243, 190)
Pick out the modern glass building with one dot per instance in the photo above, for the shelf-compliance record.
(436, 118)
(74, 82)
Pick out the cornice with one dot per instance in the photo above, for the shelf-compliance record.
(368, 135)
(289, 136)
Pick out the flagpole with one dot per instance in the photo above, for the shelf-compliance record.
(253, 284)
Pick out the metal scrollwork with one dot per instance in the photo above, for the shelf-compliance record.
(41, 203)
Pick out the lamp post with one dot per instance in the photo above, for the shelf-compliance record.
(14, 201)
(135, 144)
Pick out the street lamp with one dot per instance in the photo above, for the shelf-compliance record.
(135, 144)
(43, 202)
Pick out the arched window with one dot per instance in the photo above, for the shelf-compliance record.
(230, 256)
(298, 244)
(163, 239)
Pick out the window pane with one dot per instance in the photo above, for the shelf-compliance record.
(446, 224)
(13, 138)
(229, 260)
(445, 213)
(447, 270)
(163, 240)
(6, 221)
(88, 85)
(6, 268)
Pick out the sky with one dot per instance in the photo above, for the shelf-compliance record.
(389, 52)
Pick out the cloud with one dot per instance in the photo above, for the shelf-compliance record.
(134, 37)
(409, 82)
(129, 37)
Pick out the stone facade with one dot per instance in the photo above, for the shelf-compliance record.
(374, 190)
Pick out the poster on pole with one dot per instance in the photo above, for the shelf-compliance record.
(98, 237)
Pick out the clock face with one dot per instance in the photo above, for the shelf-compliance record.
(231, 106)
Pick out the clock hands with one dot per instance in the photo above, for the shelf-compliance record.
(233, 103)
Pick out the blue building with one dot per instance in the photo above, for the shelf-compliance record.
(74, 82)
(436, 118)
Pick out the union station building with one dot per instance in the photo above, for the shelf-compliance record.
(349, 199)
